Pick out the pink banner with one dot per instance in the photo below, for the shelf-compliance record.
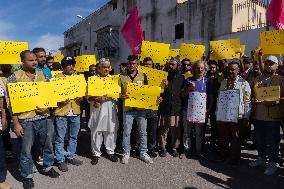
(275, 14)
(132, 32)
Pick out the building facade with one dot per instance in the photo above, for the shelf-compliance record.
(168, 21)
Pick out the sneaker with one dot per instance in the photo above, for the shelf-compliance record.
(175, 153)
(112, 157)
(257, 163)
(95, 160)
(146, 158)
(74, 161)
(63, 167)
(40, 160)
(125, 158)
(270, 169)
(152, 153)
(28, 183)
(163, 152)
(52, 173)
(5, 185)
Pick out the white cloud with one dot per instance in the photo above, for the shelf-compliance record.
(50, 42)
(5, 31)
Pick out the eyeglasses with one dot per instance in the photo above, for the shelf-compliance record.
(187, 64)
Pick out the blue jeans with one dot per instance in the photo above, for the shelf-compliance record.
(62, 124)
(268, 133)
(44, 129)
(3, 168)
(152, 123)
(128, 117)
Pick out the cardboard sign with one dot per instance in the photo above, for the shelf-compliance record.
(104, 86)
(142, 96)
(196, 107)
(174, 53)
(228, 106)
(10, 51)
(271, 93)
(225, 49)
(57, 57)
(26, 96)
(155, 77)
(83, 62)
(69, 87)
(272, 42)
(192, 52)
(159, 52)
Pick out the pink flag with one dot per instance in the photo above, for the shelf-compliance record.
(275, 14)
(132, 32)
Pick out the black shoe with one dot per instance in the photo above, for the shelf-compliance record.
(175, 153)
(74, 161)
(95, 160)
(152, 153)
(28, 183)
(52, 173)
(112, 157)
(63, 167)
(163, 152)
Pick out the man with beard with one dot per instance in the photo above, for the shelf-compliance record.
(41, 59)
(268, 117)
(186, 68)
(230, 132)
(170, 109)
(29, 125)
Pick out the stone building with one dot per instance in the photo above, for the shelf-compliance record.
(168, 21)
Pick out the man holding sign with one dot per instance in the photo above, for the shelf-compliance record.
(103, 119)
(233, 111)
(132, 75)
(28, 125)
(267, 114)
(67, 115)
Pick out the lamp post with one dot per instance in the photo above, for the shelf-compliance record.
(89, 23)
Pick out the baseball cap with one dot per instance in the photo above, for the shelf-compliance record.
(234, 61)
(68, 60)
(272, 59)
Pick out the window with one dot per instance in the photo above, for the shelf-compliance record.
(114, 4)
(85, 47)
(179, 31)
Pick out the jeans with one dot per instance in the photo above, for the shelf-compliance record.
(128, 117)
(152, 123)
(268, 133)
(61, 125)
(3, 168)
(44, 129)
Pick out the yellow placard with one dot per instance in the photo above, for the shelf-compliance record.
(159, 52)
(57, 57)
(142, 96)
(83, 62)
(243, 49)
(174, 53)
(154, 77)
(271, 93)
(10, 51)
(69, 87)
(54, 73)
(104, 86)
(26, 96)
(225, 49)
(272, 42)
(255, 53)
(191, 51)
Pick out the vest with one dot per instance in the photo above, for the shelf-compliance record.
(273, 111)
(22, 77)
(64, 109)
(140, 79)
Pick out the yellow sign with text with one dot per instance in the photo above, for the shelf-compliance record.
(104, 86)
(10, 51)
(159, 52)
(272, 42)
(191, 51)
(225, 49)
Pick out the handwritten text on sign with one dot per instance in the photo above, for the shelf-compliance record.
(196, 108)
(228, 106)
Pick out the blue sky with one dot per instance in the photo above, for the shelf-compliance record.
(42, 22)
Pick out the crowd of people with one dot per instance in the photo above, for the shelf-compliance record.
(44, 133)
